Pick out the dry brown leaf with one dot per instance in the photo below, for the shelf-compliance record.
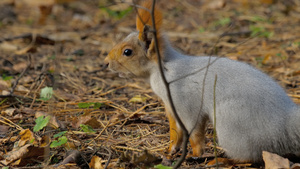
(15, 155)
(76, 121)
(275, 161)
(295, 166)
(216, 4)
(24, 155)
(60, 94)
(96, 163)
(221, 162)
(72, 157)
(5, 46)
(8, 112)
(27, 136)
(4, 84)
(3, 130)
(94, 123)
(65, 36)
(116, 117)
(19, 67)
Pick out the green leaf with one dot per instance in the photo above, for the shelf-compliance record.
(41, 122)
(5, 167)
(87, 128)
(118, 14)
(223, 21)
(59, 134)
(89, 104)
(84, 105)
(46, 93)
(260, 31)
(61, 140)
(5, 78)
(97, 105)
(160, 166)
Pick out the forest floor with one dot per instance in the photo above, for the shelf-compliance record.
(60, 107)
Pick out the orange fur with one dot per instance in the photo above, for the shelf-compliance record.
(144, 17)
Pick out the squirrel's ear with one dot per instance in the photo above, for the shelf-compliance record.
(148, 39)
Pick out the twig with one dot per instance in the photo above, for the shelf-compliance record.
(12, 124)
(215, 123)
(109, 157)
(167, 85)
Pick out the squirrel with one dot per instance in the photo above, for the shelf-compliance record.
(253, 112)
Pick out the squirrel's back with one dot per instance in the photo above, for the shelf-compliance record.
(253, 112)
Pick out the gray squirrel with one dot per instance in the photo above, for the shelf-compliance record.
(253, 113)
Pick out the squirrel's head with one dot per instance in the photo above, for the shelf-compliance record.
(136, 54)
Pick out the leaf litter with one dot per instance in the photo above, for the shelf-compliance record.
(66, 42)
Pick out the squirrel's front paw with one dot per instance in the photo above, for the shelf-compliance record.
(173, 150)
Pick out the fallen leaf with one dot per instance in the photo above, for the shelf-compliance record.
(94, 123)
(216, 4)
(16, 154)
(138, 99)
(27, 136)
(295, 166)
(142, 159)
(60, 94)
(19, 67)
(73, 156)
(21, 88)
(24, 155)
(8, 112)
(5, 46)
(96, 163)
(4, 130)
(4, 84)
(65, 36)
(221, 162)
(53, 122)
(274, 161)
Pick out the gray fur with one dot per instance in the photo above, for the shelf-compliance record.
(253, 112)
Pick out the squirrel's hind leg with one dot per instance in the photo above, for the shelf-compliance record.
(175, 135)
(197, 139)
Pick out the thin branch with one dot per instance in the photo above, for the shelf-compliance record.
(109, 157)
(215, 123)
(167, 85)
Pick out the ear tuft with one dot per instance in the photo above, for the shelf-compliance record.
(144, 17)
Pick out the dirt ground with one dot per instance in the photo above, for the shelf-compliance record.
(52, 73)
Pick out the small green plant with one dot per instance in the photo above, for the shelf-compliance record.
(201, 29)
(46, 93)
(117, 14)
(6, 78)
(41, 122)
(160, 166)
(87, 128)
(96, 105)
(52, 57)
(60, 141)
(260, 31)
(223, 21)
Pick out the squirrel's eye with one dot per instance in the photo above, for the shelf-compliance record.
(127, 52)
